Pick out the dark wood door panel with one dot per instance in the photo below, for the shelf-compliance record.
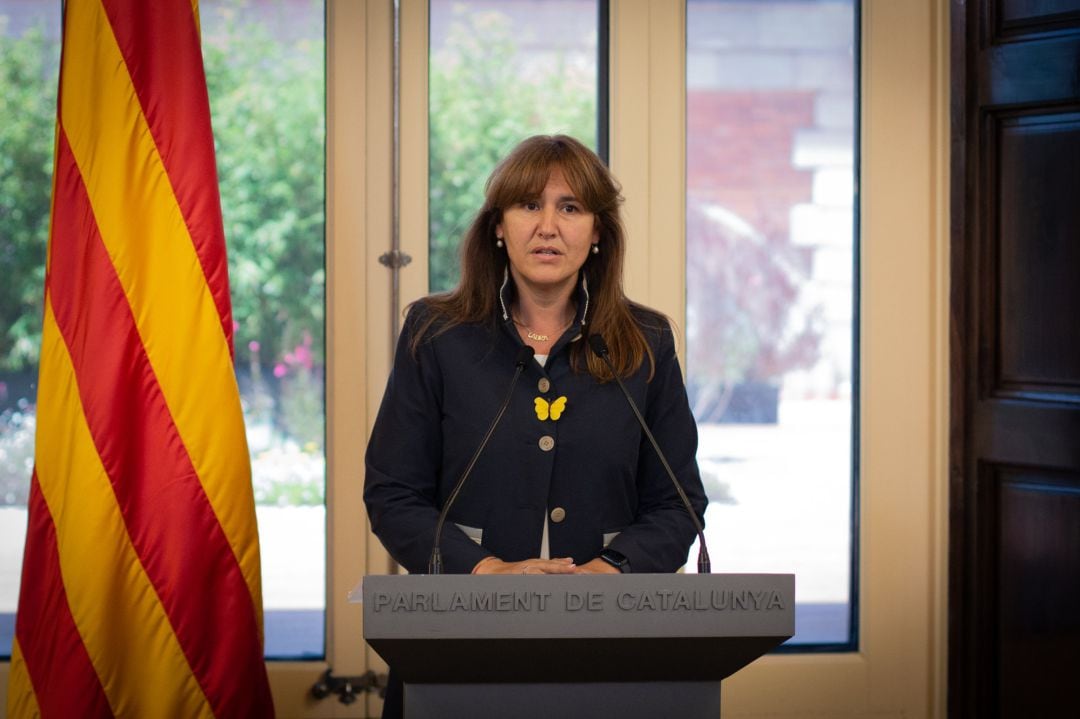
(1036, 210)
(1012, 19)
(1037, 551)
(1023, 433)
(1041, 73)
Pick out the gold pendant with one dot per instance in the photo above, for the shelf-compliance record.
(539, 338)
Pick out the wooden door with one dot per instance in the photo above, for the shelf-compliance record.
(1014, 595)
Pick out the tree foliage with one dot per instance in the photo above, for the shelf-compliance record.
(267, 103)
(748, 322)
(28, 67)
(484, 99)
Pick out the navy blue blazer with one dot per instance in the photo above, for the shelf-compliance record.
(592, 471)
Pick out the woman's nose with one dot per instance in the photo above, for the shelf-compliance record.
(546, 227)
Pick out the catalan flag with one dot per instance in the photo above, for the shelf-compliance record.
(140, 592)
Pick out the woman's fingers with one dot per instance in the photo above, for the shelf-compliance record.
(562, 565)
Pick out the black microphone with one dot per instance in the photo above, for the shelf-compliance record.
(600, 348)
(435, 562)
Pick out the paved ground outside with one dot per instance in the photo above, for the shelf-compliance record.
(780, 497)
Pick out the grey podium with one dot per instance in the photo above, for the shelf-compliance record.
(633, 645)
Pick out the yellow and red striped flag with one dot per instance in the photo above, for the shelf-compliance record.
(140, 592)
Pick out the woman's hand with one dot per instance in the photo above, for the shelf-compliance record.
(596, 566)
(494, 565)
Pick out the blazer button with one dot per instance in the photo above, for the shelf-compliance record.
(547, 443)
(558, 514)
(544, 384)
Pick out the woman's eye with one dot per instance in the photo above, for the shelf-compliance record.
(531, 205)
(571, 209)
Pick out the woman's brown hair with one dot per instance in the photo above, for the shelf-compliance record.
(522, 176)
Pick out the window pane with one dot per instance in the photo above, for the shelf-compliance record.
(29, 61)
(770, 276)
(265, 72)
(500, 71)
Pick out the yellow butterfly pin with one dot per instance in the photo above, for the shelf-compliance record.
(544, 409)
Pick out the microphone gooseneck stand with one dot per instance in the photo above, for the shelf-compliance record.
(435, 562)
(600, 348)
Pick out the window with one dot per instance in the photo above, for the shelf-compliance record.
(29, 61)
(770, 277)
(500, 72)
(266, 77)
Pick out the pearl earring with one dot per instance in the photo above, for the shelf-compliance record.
(499, 242)
(596, 249)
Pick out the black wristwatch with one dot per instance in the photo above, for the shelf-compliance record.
(616, 559)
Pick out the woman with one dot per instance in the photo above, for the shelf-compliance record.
(568, 482)
(567, 473)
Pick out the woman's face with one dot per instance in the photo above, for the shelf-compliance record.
(548, 238)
